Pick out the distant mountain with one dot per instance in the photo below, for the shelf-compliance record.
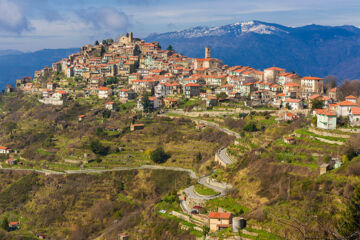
(19, 65)
(308, 50)
(10, 52)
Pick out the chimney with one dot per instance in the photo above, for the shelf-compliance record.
(207, 52)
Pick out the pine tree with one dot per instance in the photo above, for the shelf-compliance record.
(152, 91)
(97, 43)
(148, 107)
(170, 48)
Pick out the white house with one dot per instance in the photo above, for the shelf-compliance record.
(326, 119)
(344, 108)
(110, 106)
(104, 92)
(351, 99)
(5, 150)
(156, 103)
(295, 104)
(354, 116)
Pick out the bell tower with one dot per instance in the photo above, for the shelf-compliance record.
(131, 37)
(207, 52)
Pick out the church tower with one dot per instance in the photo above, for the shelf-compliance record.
(207, 52)
(131, 37)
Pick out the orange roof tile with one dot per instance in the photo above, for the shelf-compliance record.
(347, 103)
(350, 97)
(192, 85)
(312, 78)
(219, 215)
(355, 110)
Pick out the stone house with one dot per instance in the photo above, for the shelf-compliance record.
(134, 127)
(11, 161)
(126, 95)
(192, 90)
(292, 90)
(219, 221)
(324, 168)
(311, 86)
(272, 74)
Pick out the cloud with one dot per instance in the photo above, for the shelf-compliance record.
(105, 19)
(12, 18)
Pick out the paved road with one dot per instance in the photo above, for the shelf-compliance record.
(218, 127)
(192, 174)
(224, 157)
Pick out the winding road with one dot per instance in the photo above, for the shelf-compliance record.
(190, 191)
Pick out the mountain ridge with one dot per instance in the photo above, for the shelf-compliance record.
(309, 50)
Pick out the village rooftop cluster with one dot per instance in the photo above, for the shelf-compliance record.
(130, 69)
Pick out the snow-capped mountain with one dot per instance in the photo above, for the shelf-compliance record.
(308, 50)
(233, 29)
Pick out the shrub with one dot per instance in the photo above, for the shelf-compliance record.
(250, 127)
(5, 224)
(106, 114)
(198, 157)
(159, 155)
(98, 148)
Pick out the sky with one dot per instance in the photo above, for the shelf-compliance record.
(29, 25)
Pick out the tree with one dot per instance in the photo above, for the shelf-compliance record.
(97, 43)
(147, 105)
(206, 230)
(250, 127)
(10, 127)
(5, 224)
(314, 120)
(221, 95)
(100, 132)
(330, 82)
(152, 91)
(349, 88)
(198, 157)
(106, 114)
(350, 222)
(317, 104)
(288, 106)
(159, 155)
(99, 149)
(170, 48)
(342, 121)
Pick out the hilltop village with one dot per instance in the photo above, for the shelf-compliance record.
(219, 152)
(130, 68)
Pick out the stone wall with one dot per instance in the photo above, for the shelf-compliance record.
(215, 183)
(328, 134)
(329, 141)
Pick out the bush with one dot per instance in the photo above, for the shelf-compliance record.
(98, 148)
(106, 114)
(159, 155)
(250, 127)
(5, 224)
